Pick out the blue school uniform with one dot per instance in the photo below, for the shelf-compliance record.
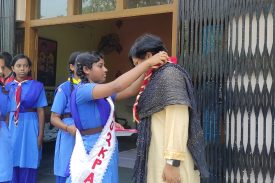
(90, 118)
(64, 141)
(26, 153)
(5, 141)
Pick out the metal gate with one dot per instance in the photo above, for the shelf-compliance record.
(228, 47)
(7, 25)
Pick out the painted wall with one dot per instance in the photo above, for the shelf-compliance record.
(69, 38)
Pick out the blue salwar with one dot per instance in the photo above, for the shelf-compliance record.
(59, 179)
(24, 175)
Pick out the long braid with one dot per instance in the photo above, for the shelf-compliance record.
(72, 60)
(71, 79)
(81, 73)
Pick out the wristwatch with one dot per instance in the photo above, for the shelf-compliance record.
(172, 162)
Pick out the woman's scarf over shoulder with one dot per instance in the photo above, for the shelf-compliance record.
(169, 85)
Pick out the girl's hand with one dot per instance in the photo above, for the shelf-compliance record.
(118, 126)
(39, 142)
(159, 58)
(71, 129)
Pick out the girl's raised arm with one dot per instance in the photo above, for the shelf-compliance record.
(125, 80)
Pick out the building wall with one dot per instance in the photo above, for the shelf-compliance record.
(69, 39)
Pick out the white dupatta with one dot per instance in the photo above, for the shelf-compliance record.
(90, 168)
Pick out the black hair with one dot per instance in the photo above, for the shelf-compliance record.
(7, 59)
(86, 59)
(72, 59)
(21, 56)
(146, 43)
(73, 56)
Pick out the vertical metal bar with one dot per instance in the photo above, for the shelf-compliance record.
(256, 59)
(272, 57)
(224, 73)
(242, 95)
(7, 25)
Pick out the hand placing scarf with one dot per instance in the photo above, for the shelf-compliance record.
(145, 82)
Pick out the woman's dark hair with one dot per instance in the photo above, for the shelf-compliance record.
(146, 43)
(21, 56)
(7, 59)
(86, 59)
(72, 59)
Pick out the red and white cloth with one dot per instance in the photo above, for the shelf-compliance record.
(18, 92)
(145, 82)
(90, 168)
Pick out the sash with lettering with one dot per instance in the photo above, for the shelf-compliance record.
(91, 167)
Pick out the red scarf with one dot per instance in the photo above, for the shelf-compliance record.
(145, 82)
(18, 98)
(8, 79)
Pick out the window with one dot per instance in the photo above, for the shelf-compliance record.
(51, 8)
(144, 3)
(91, 6)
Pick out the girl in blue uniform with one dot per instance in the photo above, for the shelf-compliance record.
(61, 118)
(26, 120)
(5, 139)
(90, 109)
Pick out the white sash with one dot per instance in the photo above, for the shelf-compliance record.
(90, 168)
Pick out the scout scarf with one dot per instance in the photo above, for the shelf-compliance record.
(75, 81)
(18, 98)
(145, 82)
(7, 79)
(90, 168)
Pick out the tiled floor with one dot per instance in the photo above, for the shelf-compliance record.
(126, 161)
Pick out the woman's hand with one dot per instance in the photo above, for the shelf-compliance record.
(171, 174)
(71, 129)
(159, 58)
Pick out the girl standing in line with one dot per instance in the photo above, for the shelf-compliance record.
(26, 120)
(6, 71)
(95, 155)
(61, 118)
(5, 139)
